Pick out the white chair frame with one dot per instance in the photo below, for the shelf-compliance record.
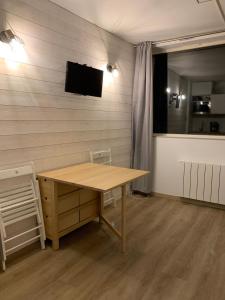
(17, 203)
(104, 157)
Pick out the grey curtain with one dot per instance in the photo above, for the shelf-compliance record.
(142, 116)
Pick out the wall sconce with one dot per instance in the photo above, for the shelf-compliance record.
(174, 97)
(12, 48)
(168, 90)
(8, 37)
(113, 70)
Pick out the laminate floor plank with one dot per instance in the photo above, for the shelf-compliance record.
(176, 251)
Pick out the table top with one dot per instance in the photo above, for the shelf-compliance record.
(94, 176)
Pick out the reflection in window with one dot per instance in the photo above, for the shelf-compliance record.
(194, 97)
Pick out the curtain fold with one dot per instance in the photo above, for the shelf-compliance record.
(142, 117)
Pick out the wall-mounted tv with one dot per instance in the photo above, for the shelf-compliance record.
(83, 80)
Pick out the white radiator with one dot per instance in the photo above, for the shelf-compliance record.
(203, 181)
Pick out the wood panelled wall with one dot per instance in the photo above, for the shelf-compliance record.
(40, 122)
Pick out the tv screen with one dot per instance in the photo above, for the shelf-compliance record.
(83, 80)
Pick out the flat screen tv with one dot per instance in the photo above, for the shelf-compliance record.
(83, 80)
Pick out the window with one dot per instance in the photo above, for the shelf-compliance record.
(189, 91)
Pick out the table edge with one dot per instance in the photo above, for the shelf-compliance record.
(93, 188)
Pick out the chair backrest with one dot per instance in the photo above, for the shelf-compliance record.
(17, 194)
(16, 172)
(101, 157)
(18, 201)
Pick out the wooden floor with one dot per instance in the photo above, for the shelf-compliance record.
(176, 251)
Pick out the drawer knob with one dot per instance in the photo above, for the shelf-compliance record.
(46, 198)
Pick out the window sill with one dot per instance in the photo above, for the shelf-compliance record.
(190, 136)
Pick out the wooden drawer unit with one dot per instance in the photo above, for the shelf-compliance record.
(46, 187)
(89, 210)
(87, 195)
(48, 225)
(47, 208)
(68, 219)
(66, 207)
(47, 195)
(68, 201)
(63, 188)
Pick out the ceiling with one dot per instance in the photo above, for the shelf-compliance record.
(149, 20)
(205, 64)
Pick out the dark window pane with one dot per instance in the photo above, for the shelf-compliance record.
(159, 93)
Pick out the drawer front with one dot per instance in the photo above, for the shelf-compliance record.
(89, 210)
(65, 188)
(68, 201)
(87, 195)
(68, 219)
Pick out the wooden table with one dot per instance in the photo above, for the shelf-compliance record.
(95, 177)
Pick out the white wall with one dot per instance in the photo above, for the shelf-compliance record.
(170, 149)
(40, 122)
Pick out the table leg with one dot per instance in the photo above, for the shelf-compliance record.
(123, 219)
(101, 207)
(55, 244)
(122, 234)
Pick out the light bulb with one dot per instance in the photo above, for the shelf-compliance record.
(168, 90)
(16, 45)
(5, 51)
(183, 97)
(107, 78)
(18, 51)
(115, 72)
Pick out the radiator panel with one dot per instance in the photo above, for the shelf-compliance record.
(194, 180)
(222, 186)
(215, 184)
(208, 183)
(187, 180)
(203, 181)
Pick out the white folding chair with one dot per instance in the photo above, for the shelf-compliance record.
(17, 203)
(104, 157)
